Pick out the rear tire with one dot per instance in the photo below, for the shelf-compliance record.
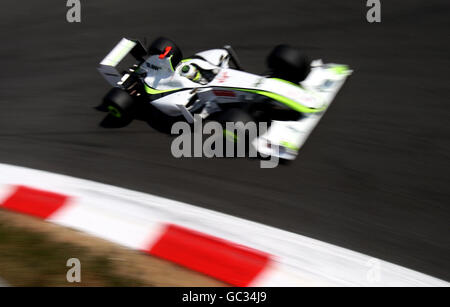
(289, 63)
(119, 103)
(158, 46)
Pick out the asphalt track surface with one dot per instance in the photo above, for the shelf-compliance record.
(374, 175)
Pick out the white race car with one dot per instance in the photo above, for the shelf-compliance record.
(292, 97)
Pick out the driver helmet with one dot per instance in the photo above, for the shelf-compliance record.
(190, 72)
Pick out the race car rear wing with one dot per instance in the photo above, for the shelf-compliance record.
(110, 66)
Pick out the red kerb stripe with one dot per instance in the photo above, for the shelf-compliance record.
(224, 260)
(34, 202)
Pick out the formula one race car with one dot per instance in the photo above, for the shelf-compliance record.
(291, 97)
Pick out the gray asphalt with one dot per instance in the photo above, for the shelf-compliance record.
(373, 177)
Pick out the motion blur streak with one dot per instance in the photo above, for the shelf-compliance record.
(373, 177)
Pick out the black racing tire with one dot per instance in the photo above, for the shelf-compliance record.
(235, 115)
(159, 45)
(119, 103)
(289, 63)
